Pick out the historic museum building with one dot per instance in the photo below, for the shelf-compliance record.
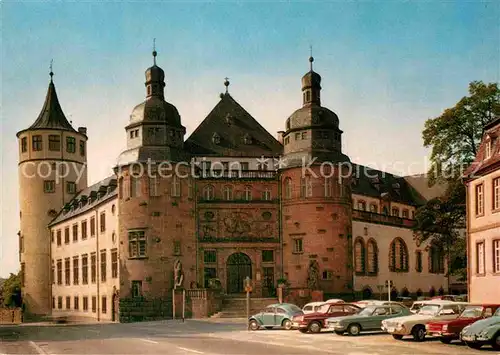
(228, 202)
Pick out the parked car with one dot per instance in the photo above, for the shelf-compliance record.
(482, 332)
(414, 325)
(275, 315)
(415, 307)
(314, 322)
(406, 301)
(312, 307)
(449, 330)
(369, 318)
(334, 300)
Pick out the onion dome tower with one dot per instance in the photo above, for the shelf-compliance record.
(316, 196)
(52, 169)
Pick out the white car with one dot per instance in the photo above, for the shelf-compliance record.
(312, 307)
(334, 300)
(414, 325)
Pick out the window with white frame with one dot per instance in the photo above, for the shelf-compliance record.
(487, 153)
(228, 192)
(479, 199)
(496, 193)
(496, 256)
(480, 264)
(328, 187)
(208, 192)
(153, 186)
(247, 193)
(266, 194)
(176, 186)
(137, 244)
(298, 245)
(288, 188)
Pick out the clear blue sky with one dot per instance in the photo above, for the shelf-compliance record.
(386, 66)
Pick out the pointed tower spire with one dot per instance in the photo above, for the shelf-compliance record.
(155, 78)
(311, 85)
(311, 58)
(226, 84)
(154, 51)
(51, 72)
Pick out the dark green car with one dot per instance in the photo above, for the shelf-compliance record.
(370, 318)
(483, 332)
(274, 315)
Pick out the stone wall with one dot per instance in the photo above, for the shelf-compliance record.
(142, 309)
(11, 316)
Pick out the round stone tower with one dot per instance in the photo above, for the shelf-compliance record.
(317, 222)
(52, 169)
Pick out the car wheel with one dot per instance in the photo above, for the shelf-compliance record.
(473, 345)
(397, 336)
(303, 330)
(418, 333)
(445, 340)
(339, 332)
(287, 324)
(253, 325)
(354, 329)
(495, 342)
(314, 327)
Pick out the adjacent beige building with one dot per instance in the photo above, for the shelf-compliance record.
(483, 218)
(84, 255)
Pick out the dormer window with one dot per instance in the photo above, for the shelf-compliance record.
(487, 153)
(247, 139)
(229, 119)
(216, 138)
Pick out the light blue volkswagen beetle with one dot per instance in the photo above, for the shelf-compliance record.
(274, 315)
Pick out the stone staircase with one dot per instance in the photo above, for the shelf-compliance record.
(235, 307)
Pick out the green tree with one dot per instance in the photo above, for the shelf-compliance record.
(454, 138)
(11, 291)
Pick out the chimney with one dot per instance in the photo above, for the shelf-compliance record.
(82, 130)
(280, 136)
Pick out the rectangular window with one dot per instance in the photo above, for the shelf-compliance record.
(177, 247)
(66, 235)
(302, 187)
(104, 304)
(328, 187)
(496, 256)
(479, 200)
(136, 288)
(298, 246)
(53, 272)
(92, 226)
(327, 275)
(59, 272)
(70, 187)
(54, 142)
(93, 267)
(153, 186)
(190, 188)
(210, 256)
(49, 186)
(245, 166)
(114, 263)
(76, 303)
(176, 186)
(94, 304)
(209, 273)
(395, 212)
(267, 256)
(266, 194)
(496, 194)
(23, 274)
(287, 140)
(405, 213)
(75, 232)
(103, 265)
(24, 145)
(70, 144)
(85, 303)
(136, 244)
(67, 271)
(297, 136)
(304, 135)
(59, 302)
(68, 302)
(85, 269)
(480, 265)
(82, 148)
(53, 303)
(103, 222)
(84, 230)
(36, 143)
(76, 271)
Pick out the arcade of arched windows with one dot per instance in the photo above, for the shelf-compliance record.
(365, 257)
(398, 256)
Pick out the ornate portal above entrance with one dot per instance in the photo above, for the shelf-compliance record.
(239, 266)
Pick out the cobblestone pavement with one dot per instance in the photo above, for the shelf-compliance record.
(205, 338)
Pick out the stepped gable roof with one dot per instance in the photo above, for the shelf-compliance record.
(52, 115)
(481, 166)
(87, 199)
(380, 184)
(229, 130)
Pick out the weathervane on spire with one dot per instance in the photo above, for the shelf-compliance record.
(154, 51)
(51, 72)
(311, 59)
(226, 83)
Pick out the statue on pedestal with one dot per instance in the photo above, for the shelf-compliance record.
(313, 275)
(178, 274)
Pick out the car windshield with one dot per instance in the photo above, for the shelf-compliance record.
(322, 308)
(472, 312)
(429, 310)
(368, 311)
(416, 306)
(294, 308)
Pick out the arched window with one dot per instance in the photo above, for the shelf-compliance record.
(288, 188)
(361, 205)
(436, 260)
(395, 212)
(176, 186)
(247, 193)
(266, 194)
(228, 192)
(208, 192)
(359, 256)
(418, 262)
(398, 256)
(120, 187)
(135, 186)
(373, 208)
(372, 257)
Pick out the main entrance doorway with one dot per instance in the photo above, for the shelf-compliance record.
(239, 266)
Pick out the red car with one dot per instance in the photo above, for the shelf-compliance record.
(449, 330)
(314, 322)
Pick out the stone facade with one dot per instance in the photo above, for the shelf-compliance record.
(483, 219)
